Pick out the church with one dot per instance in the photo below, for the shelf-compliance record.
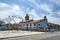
(33, 24)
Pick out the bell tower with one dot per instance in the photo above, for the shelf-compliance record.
(27, 17)
(45, 17)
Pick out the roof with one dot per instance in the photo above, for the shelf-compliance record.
(34, 21)
(31, 21)
(52, 24)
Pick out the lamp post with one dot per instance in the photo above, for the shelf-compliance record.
(9, 22)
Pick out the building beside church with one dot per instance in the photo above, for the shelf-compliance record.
(54, 27)
(2, 25)
(33, 24)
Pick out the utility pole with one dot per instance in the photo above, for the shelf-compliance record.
(9, 22)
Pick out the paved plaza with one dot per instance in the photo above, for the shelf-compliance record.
(28, 35)
(5, 34)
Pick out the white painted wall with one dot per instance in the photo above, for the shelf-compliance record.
(43, 24)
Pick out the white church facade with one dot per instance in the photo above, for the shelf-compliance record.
(33, 24)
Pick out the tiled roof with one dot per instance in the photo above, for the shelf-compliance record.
(34, 21)
(31, 21)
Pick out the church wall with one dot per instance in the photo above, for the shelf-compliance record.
(43, 24)
(24, 26)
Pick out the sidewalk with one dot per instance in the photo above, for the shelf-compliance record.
(7, 34)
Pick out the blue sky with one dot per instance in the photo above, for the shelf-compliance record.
(36, 9)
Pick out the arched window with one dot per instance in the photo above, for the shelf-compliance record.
(30, 24)
(27, 28)
(26, 24)
(34, 24)
(34, 27)
(0, 25)
(39, 24)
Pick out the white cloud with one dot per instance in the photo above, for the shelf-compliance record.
(34, 3)
(6, 9)
(49, 17)
(33, 13)
(53, 19)
(58, 12)
(55, 2)
(46, 7)
(22, 0)
(13, 9)
(4, 5)
(10, 10)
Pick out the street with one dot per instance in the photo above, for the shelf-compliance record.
(47, 36)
